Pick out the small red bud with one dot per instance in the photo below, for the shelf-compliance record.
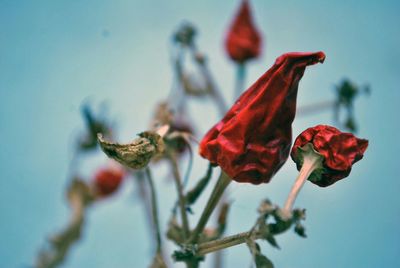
(243, 41)
(108, 180)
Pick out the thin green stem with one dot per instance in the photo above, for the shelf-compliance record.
(219, 189)
(154, 209)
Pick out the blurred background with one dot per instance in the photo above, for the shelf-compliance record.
(57, 55)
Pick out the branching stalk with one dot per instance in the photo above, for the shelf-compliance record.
(218, 190)
(226, 242)
(212, 87)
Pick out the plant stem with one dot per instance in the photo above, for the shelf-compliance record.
(154, 209)
(143, 195)
(212, 87)
(240, 77)
(226, 242)
(315, 107)
(311, 161)
(216, 194)
(181, 197)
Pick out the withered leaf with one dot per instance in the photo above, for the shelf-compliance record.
(300, 230)
(260, 260)
(136, 154)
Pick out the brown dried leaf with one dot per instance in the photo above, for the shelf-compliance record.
(136, 154)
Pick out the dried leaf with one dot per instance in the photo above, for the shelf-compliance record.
(300, 230)
(266, 207)
(260, 260)
(136, 154)
(272, 241)
(193, 194)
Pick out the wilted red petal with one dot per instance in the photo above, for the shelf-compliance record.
(253, 139)
(243, 41)
(340, 150)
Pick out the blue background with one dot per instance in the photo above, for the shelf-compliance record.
(55, 54)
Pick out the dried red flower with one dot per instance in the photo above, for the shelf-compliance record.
(340, 151)
(243, 41)
(253, 139)
(108, 180)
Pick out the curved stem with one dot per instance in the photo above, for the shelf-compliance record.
(219, 189)
(154, 208)
(310, 163)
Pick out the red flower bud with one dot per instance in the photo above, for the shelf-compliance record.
(108, 180)
(243, 41)
(340, 151)
(253, 139)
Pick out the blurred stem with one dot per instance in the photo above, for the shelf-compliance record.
(212, 87)
(190, 164)
(315, 107)
(61, 243)
(154, 209)
(240, 78)
(181, 197)
(143, 193)
(216, 194)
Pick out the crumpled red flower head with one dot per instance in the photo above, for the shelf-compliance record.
(340, 151)
(253, 139)
(243, 41)
(108, 180)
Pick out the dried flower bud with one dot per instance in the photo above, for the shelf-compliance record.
(136, 154)
(175, 139)
(179, 127)
(163, 115)
(108, 180)
(185, 34)
(253, 140)
(243, 41)
(339, 151)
